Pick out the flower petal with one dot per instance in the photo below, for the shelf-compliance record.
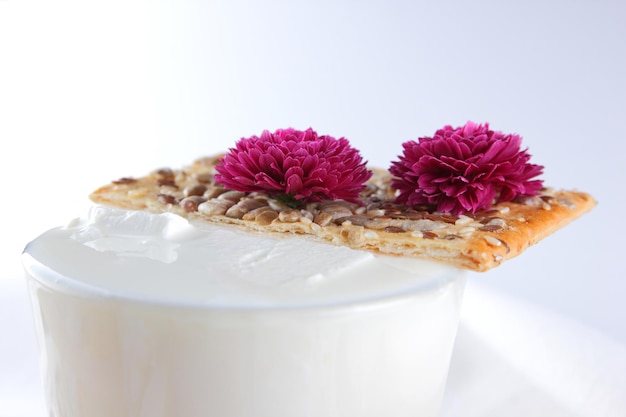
(464, 169)
(299, 163)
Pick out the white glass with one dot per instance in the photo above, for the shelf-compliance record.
(106, 354)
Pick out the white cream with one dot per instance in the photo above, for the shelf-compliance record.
(148, 315)
(164, 258)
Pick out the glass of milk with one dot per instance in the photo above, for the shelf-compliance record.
(147, 315)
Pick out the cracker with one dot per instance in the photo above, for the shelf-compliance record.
(477, 241)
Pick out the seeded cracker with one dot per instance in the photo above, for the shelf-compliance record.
(477, 241)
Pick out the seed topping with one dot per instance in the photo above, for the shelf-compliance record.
(375, 212)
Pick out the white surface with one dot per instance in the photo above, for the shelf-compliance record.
(515, 359)
(511, 358)
(93, 91)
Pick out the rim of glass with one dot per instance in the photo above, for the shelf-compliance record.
(56, 281)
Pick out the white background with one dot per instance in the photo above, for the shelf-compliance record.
(92, 91)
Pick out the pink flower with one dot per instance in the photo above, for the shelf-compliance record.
(464, 169)
(295, 166)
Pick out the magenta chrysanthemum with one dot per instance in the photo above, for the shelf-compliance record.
(296, 166)
(464, 169)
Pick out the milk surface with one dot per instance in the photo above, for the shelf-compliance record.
(148, 315)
